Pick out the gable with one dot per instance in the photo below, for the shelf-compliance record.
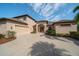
(20, 18)
(24, 17)
(30, 21)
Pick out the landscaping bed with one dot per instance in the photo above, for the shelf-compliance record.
(8, 37)
(5, 40)
(51, 32)
(74, 35)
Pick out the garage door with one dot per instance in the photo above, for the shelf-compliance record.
(21, 30)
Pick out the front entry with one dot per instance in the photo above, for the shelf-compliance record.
(40, 28)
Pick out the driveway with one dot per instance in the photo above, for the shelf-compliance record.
(40, 44)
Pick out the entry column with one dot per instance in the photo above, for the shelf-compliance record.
(45, 27)
(36, 27)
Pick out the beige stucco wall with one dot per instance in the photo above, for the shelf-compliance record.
(65, 29)
(30, 23)
(9, 25)
(3, 27)
(73, 27)
(17, 27)
(20, 19)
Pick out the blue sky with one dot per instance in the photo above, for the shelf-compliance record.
(39, 11)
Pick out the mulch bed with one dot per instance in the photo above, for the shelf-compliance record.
(5, 40)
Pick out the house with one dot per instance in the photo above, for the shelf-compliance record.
(65, 26)
(23, 24)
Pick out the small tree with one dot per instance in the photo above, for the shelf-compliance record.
(77, 16)
(77, 20)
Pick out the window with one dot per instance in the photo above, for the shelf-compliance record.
(65, 24)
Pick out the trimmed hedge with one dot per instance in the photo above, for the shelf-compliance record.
(74, 35)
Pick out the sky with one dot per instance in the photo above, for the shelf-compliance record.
(39, 11)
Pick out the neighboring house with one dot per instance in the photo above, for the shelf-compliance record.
(22, 25)
(65, 26)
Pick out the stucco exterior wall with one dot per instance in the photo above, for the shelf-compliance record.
(65, 29)
(73, 27)
(30, 23)
(22, 19)
(3, 27)
(17, 27)
(9, 25)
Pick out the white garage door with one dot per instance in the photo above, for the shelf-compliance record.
(21, 30)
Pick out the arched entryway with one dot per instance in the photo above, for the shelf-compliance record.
(34, 28)
(40, 28)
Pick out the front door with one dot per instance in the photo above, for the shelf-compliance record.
(41, 28)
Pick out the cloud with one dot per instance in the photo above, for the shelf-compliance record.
(57, 5)
(50, 9)
(36, 6)
(68, 12)
(46, 9)
(56, 18)
(61, 16)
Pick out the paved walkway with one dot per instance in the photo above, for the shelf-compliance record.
(40, 44)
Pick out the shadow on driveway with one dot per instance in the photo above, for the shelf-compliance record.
(64, 39)
(46, 49)
(73, 40)
(55, 37)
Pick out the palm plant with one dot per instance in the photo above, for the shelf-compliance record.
(76, 9)
(77, 16)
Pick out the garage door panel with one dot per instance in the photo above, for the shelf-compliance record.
(21, 30)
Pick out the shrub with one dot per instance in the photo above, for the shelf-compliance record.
(33, 32)
(78, 26)
(11, 33)
(50, 31)
(75, 34)
(2, 36)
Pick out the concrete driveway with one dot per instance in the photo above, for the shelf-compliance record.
(40, 44)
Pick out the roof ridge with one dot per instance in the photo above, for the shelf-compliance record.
(12, 20)
(25, 15)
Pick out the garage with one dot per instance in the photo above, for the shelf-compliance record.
(21, 29)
